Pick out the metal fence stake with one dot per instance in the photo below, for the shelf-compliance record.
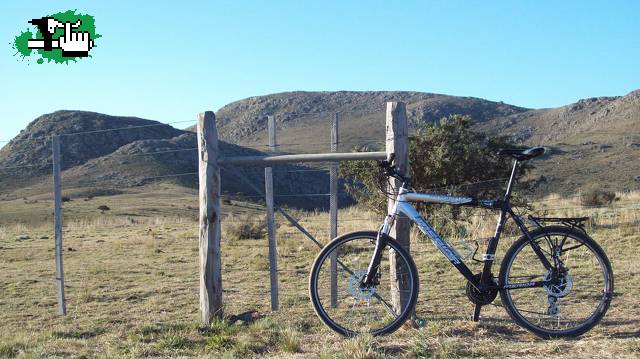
(333, 210)
(271, 226)
(57, 217)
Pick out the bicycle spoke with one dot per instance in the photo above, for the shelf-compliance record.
(569, 300)
(367, 309)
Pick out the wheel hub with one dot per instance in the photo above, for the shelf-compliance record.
(356, 290)
(561, 288)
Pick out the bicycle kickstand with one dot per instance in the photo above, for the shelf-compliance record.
(476, 313)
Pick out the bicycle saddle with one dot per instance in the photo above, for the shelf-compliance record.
(521, 154)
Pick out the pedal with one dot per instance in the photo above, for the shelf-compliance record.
(420, 322)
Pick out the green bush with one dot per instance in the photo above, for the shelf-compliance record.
(444, 156)
(245, 227)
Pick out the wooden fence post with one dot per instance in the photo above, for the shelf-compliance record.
(209, 192)
(57, 218)
(397, 141)
(271, 227)
(333, 210)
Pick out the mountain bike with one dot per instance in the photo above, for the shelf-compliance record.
(554, 281)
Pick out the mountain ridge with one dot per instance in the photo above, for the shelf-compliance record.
(145, 152)
(594, 139)
(245, 118)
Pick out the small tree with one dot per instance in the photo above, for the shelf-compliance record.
(103, 208)
(444, 156)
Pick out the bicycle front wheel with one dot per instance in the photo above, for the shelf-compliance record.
(347, 308)
(579, 285)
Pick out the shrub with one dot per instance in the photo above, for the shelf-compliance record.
(103, 208)
(66, 199)
(446, 157)
(245, 228)
(595, 196)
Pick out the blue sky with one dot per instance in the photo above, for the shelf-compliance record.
(172, 59)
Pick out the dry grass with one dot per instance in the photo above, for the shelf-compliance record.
(132, 289)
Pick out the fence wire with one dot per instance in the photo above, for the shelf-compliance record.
(232, 216)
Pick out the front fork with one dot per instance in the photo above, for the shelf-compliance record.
(371, 277)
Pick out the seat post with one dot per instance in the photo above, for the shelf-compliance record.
(507, 195)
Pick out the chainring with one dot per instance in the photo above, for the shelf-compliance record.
(481, 297)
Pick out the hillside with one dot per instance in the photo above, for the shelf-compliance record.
(151, 152)
(592, 140)
(585, 118)
(32, 147)
(595, 140)
(303, 117)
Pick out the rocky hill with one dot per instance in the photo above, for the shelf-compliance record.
(32, 147)
(595, 140)
(139, 152)
(303, 117)
(597, 116)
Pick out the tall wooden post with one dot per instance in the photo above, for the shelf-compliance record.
(271, 227)
(209, 191)
(57, 218)
(397, 142)
(333, 210)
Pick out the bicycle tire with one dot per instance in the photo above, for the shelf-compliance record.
(325, 254)
(578, 236)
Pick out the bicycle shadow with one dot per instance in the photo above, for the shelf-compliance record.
(492, 326)
(505, 327)
(634, 323)
(500, 327)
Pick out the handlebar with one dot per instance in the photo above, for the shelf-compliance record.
(387, 165)
(389, 169)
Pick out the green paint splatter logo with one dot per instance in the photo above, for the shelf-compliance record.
(58, 38)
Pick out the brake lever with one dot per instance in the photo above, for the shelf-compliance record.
(387, 164)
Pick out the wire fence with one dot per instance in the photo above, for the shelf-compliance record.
(238, 211)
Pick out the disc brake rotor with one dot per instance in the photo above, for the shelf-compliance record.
(354, 286)
(562, 288)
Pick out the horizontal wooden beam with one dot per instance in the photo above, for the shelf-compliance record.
(312, 157)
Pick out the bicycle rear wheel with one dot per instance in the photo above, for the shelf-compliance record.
(579, 296)
(376, 310)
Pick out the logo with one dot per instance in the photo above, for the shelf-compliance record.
(58, 38)
(443, 246)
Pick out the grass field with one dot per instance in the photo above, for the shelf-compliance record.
(132, 287)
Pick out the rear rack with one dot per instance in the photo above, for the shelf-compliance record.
(571, 222)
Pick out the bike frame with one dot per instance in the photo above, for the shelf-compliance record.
(403, 207)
